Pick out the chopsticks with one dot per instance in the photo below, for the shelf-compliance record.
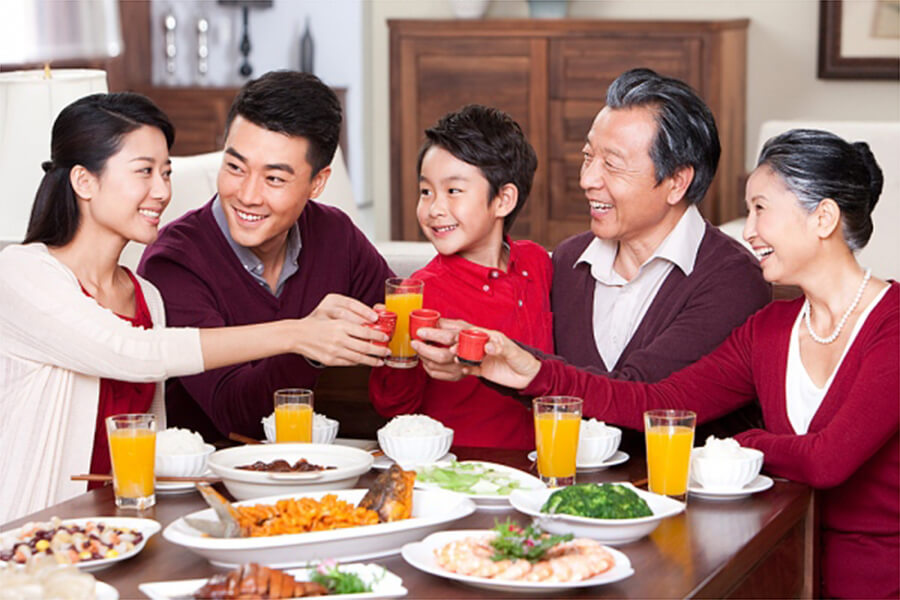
(101, 477)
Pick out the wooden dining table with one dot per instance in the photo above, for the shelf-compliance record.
(756, 547)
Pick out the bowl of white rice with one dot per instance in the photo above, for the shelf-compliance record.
(181, 453)
(325, 430)
(597, 441)
(412, 440)
(724, 465)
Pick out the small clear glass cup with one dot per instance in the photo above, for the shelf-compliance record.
(293, 415)
(557, 420)
(402, 296)
(669, 437)
(132, 450)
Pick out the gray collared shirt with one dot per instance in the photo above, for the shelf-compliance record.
(251, 262)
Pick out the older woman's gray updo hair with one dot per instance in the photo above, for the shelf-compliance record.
(817, 164)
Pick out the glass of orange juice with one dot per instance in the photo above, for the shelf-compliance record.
(557, 420)
(402, 296)
(293, 415)
(669, 435)
(132, 450)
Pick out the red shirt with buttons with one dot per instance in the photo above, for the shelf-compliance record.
(516, 302)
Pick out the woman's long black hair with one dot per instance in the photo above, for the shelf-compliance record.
(86, 132)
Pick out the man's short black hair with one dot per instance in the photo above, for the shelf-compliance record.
(491, 140)
(296, 104)
(686, 133)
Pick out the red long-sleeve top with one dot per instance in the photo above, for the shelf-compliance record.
(516, 302)
(851, 451)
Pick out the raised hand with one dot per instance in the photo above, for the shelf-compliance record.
(505, 363)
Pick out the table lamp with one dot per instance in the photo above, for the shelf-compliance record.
(39, 31)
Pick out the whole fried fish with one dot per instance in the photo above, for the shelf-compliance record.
(391, 495)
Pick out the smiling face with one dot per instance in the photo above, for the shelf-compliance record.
(455, 209)
(133, 189)
(264, 183)
(781, 233)
(619, 180)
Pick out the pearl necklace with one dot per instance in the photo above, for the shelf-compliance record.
(840, 326)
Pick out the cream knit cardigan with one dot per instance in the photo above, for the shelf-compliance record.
(55, 345)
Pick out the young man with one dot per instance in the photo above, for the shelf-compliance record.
(263, 249)
(475, 172)
(652, 287)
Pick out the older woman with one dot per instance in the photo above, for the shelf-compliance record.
(825, 367)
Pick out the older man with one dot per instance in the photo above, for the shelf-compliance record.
(652, 287)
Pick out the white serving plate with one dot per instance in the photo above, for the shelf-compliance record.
(608, 531)
(147, 528)
(421, 556)
(760, 484)
(490, 501)
(244, 485)
(432, 509)
(617, 458)
(390, 586)
(383, 461)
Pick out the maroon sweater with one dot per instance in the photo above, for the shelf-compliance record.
(689, 317)
(851, 451)
(204, 284)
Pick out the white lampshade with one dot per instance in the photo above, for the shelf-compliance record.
(29, 103)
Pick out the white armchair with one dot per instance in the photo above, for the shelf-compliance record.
(194, 182)
(882, 253)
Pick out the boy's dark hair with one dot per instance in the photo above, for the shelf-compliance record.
(490, 140)
(87, 132)
(686, 133)
(296, 104)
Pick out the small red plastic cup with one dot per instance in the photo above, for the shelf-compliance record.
(470, 348)
(422, 317)
(386, 323)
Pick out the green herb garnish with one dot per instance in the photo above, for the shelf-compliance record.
(514, 542)
(598, 501)
(338, 582)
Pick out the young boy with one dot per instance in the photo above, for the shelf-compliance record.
(475, 173)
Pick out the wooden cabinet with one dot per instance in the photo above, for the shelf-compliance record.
(551, 76)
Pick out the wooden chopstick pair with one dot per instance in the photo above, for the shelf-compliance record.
(101, 477)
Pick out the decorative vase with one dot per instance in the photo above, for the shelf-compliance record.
(548, 9)
(469, 9)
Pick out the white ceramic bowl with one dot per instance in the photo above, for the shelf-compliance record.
(321, 435)
(244, 485)
(717, 473)
(183, 465)
(608, 531)
(408, 451)
(593, 449)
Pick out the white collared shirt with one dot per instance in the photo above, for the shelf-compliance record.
(620, 305)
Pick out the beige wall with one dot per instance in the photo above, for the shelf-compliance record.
(781, 69)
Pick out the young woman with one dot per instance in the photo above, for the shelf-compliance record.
(81, 337)
(824, 366)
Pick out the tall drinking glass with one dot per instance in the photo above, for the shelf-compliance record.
(669, 435)
(557, 420)
(402, 296)
(293, 415)
(132, 450)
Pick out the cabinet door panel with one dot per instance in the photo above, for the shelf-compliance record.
(584, 68)
(449, 75)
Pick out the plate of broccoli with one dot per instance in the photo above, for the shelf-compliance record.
(613, 513)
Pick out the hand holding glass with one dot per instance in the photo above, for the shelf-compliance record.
(402, 296)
